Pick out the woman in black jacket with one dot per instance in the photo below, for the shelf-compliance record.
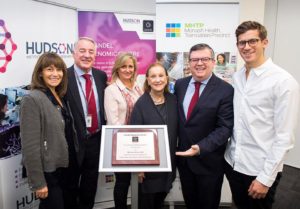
(156, 107)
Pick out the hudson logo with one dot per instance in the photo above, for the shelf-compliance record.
(148, 26)
(131, 20)
(27, 201)
(37, 48)
(7, 46)
(173, 30)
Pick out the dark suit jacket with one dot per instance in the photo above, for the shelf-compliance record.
(210, 125)
(76, 106)
(146, 113)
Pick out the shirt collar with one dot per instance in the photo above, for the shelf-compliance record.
(262, 68)
(192, 81)
(120, 84)
(80, 72)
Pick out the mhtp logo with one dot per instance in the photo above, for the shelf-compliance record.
(173, 30)
(7, 46)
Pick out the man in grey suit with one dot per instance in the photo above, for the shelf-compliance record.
(205, 106)
(85, 95)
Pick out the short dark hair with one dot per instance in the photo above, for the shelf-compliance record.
(251, 25)
(3, 101)
(202, 46)
(45, 60)
(147, 88)
(224, 57)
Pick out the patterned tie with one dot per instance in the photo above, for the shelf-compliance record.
(91, 103)
(193, 100)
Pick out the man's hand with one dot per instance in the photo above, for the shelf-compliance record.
(257, 190)
(194, 150)
(42, 193)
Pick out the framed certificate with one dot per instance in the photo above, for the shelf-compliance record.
(135, 147)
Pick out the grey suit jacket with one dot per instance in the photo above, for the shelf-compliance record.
(44, 145)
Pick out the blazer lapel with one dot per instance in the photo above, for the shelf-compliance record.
(75, 91)
(204, 95)
(208, 90)
(155, 110)
(181, 95)
(98, 86)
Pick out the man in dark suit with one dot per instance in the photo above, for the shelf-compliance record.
(205, 105)
(86, 95)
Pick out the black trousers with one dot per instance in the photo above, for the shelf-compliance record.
(239, 185)
(200, 191)
(121, 190)
(55, 194)
(151, 200)
(80, 182)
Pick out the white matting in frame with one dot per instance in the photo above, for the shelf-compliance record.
(105, 163)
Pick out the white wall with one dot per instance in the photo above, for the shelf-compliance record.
(250, 10)
(282, 20)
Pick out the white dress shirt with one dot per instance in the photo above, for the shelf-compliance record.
(190, 92)
(115, 104)
(81, 87)
(266, 107)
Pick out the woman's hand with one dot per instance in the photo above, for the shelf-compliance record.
(42, 193)
(141, 177)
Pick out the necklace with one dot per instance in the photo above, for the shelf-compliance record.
(157, 101)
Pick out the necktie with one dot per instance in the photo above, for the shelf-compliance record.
(194, 99)
(91, 103)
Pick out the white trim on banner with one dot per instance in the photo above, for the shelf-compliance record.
(117, 12)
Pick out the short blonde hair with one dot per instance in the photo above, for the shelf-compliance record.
(119, 62)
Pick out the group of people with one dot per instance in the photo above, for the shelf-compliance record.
(213, 128)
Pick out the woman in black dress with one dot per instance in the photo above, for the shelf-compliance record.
(156, 107)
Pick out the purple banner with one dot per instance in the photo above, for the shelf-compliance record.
(116, 33)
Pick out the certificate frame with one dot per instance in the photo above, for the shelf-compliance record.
(136, 144)
(106, 150)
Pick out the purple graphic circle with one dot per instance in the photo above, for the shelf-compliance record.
(7, 35)
(2, 46)
(1, 22)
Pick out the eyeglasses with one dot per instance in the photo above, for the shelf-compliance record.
(251, 42)
(202, 59)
